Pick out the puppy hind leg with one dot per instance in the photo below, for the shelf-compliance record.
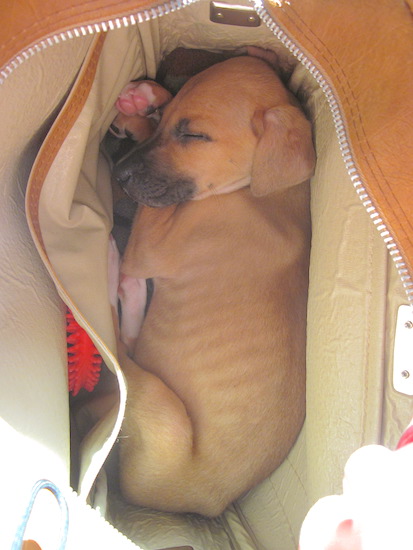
(156, 442)
(156, 436)
(158, 464)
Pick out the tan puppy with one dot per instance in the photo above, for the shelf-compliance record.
(217, 375)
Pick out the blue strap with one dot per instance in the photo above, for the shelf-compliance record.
(50, 486)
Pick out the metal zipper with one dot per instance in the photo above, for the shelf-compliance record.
(258, 5)
(344, 145)
(94, 28)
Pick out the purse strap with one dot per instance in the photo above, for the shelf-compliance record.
(44, 484)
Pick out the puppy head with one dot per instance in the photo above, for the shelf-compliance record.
(230, 126)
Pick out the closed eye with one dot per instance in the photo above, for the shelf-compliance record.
(183, 133)
(201, 137)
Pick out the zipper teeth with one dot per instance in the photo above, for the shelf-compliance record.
(175, 5)
(91, 29)
(90, 514)
(344, 145)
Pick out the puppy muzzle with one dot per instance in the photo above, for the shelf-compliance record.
(148, 181)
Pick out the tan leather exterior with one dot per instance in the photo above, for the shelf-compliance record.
(25, 23)
(364, 48)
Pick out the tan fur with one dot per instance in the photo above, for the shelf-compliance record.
(217, 378)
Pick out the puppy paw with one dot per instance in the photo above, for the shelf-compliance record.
(139, 106)
(142, 98)
(132, 295)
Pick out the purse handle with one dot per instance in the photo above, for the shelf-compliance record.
(39, 486)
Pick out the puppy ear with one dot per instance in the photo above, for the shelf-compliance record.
(285, 154)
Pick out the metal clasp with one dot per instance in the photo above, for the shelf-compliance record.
(403, 352)
(233, 14)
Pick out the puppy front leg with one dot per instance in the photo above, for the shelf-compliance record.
(156, 443)
(132, 295)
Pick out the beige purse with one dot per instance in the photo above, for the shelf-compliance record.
(57, 104)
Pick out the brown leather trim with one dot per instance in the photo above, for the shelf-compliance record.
(56, 137)
(365, 49)
(25, 24)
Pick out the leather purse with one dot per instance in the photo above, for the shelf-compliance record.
(62, 66)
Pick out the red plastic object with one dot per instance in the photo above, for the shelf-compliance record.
(406, 438)
(84, 361)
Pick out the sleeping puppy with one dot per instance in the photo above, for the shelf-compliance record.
(216, 367)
